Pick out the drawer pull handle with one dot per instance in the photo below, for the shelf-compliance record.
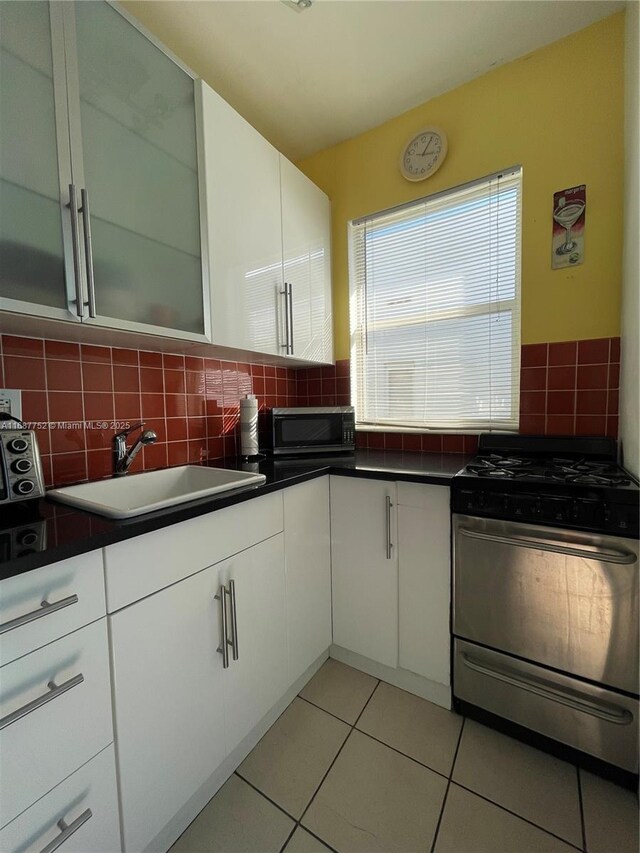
(624, 558)
(67, 830)
(53, 693)
(601, 710)
(44, 610)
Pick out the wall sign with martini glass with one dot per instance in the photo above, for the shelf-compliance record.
(567, 244)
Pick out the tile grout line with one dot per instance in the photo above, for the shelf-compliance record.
(446, 792)
(582, 823)
(515, 814)
(320, 784)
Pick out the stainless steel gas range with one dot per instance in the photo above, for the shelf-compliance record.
(545, 591)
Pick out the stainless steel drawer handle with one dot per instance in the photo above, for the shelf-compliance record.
(53, 693)
(389, 543)
(609, 713)
(223, 648)
(67, 830)
(625, 558)
(44, 610)
(234, 620)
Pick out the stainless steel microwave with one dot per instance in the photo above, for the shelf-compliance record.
(322, 429)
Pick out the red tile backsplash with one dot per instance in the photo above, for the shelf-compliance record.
(566, 388)
(77, 395)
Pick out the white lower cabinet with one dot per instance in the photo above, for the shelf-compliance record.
(256, 680)
(390, 547)
(364, 562)
(55, 710)
(178, 710)
(308, 573)
(78, 815)
(169, 703)
(424, 580)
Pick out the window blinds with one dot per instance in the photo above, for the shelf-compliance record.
(435, 310)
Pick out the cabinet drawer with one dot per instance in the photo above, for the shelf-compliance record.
(86, 802)
(46, 733)
(138, 567)
(74, 592)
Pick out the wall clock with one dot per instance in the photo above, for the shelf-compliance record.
(423, 154)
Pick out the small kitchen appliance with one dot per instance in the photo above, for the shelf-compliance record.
(302, 430)
(20, 466)
(545, 591)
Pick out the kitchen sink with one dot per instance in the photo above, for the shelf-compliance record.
(136, 494)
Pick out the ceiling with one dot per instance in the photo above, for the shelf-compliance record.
(308, 80)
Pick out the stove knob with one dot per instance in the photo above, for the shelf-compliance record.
(23, 487)
(537, 507)
(18, 445)
(606, 512)
(21, 466)
(574, 512)
(482, 500)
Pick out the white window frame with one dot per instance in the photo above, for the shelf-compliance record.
(358, 330)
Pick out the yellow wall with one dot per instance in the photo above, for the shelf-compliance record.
(559, 113)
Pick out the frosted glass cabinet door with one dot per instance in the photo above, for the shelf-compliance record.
(32, 141)
(139, 164)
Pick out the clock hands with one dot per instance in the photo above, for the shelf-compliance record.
(427, 146)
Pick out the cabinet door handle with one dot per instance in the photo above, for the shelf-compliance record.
(75, 244)
(53, 693)
(234, 620)
(223, 648)
(44, 610)
(67, 830)
(88, 252)
(290, 333)
(285, 293)
(389, 543)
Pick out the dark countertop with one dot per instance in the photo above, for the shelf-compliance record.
(63, 532)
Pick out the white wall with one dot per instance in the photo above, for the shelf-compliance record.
(630, 360)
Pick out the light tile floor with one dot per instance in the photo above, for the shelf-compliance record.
(354, 765)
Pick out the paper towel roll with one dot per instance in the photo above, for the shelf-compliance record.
(249, 426)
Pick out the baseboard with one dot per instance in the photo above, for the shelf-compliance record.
(192, 808)
(439, 694)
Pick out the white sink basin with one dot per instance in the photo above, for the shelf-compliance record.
(135, 494)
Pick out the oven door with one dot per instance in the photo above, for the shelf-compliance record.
(320, 432)
(562, 599)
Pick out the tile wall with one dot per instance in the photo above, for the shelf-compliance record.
(567, 388)
(78, 395)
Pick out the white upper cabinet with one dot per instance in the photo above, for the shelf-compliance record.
(102, 170)
(269, 242)
(242, 181)
(306, 248)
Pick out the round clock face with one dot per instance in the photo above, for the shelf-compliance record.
(424, 154)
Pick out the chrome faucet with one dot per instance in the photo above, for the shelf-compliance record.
(123, 456)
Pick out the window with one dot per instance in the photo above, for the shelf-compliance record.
(435, 310)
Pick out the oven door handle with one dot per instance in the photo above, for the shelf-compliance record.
(625, 558)
(609, 713)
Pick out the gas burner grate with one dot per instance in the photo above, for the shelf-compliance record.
(579, 471)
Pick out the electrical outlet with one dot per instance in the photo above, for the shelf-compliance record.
(11, 402)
